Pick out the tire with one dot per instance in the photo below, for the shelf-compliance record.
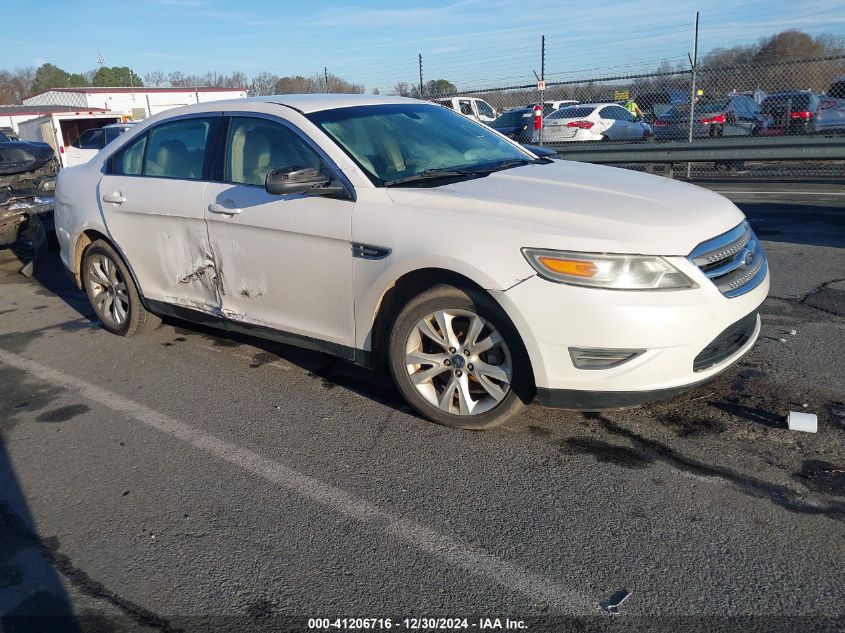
(112, 292)
(453, 389)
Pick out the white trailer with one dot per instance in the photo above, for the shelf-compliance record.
(61, 129)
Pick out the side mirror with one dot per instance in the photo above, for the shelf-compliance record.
(306, 180)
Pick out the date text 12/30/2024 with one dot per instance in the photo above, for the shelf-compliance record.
(416, 624)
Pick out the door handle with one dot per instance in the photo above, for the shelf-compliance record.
(114, 198)
(219, 208)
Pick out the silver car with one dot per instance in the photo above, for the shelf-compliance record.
(830, 116)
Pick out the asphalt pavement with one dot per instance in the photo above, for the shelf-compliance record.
(188, 480)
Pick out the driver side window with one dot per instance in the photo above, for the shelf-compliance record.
(256, 146)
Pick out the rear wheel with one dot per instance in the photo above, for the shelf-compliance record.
(458, 361)
(112, 292)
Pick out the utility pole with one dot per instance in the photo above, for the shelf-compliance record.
(694, 64)
(326, 75)
(542, 81)
(421, 76)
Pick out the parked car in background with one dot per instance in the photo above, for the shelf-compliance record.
(737, 115)
(92, 141)
(831, 113)
(394, 233)
(518, 125)
(656, 104)
(594, 122)
(552, 105)
(9, 134)
(791, 112)
(471, 107)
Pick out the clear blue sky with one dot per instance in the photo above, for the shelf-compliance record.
(473, 43)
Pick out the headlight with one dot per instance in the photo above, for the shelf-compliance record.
(614, 272)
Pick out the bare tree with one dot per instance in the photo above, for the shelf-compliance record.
(155, 78)
(404, 89)
(237, 80)
(263, 83)
(177, 79)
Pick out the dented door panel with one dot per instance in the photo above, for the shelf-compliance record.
(286, 261)
(160, 227)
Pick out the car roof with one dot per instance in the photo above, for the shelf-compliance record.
(307, 103)
(590, 105)
(790, 92)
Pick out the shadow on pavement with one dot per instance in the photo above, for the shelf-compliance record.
(797, 223)
(32, 597)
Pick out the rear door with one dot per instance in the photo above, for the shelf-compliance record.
(621, 124)
(152, 201)
(286, 259)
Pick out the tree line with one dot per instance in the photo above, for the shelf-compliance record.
(762, 65)
(17, 85)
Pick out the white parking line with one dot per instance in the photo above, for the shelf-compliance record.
(453, 551)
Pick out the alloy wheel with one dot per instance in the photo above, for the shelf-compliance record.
(108, 291)
(458, 362)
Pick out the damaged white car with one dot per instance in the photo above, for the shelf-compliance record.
(397, 233)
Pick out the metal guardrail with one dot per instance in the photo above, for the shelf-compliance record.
(784, 148)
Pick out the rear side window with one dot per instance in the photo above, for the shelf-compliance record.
(793, 102)
(177, 149)
(466, 107)
(837, 90)
(616, 112)
(129, 160)
(257, 146)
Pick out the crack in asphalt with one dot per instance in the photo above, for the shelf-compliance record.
(49, 548)
(802, 299)
(781, 495)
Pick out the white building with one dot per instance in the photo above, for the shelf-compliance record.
(135, 103)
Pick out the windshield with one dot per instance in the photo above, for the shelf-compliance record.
(572, 112)
(711, 106)
(3, 138)
(512, 119)
(794, 101)
(397, 142)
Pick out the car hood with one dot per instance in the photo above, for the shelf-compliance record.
(591, 208)
(17, 157)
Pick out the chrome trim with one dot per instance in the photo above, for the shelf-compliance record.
(592, 358)
(734, 261)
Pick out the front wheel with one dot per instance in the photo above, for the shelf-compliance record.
(112, 292)
(458, 361)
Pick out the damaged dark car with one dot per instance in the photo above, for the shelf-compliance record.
(27, 182)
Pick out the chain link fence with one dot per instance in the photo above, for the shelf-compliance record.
(796, 98)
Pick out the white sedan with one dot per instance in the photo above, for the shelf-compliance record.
(398, 234)
(594, 122)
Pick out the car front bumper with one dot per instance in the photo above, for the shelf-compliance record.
(673, 328)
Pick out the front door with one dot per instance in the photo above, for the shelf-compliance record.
(286, 260)
(152, 203)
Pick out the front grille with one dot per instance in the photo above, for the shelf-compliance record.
(734, 261)
(727, 343)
